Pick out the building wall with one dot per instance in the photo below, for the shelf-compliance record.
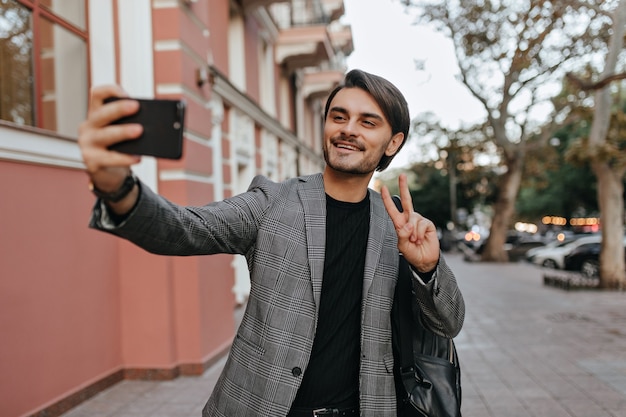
(80, 309)
(59, 293)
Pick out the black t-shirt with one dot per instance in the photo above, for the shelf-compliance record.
(332, 376)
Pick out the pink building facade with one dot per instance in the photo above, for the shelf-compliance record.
(81, 310)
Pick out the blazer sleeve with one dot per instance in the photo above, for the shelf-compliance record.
(162, 227)
(440, 301)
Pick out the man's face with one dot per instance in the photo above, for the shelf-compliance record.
(356, 133)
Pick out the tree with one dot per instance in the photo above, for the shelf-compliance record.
(552, 185)
(448, 177)
(457, 153)
(429, 192)
(605, 148)
(510, 55)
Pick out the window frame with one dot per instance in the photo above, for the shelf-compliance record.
(38, 11)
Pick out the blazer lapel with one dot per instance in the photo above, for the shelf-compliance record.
(378, 219)
(313, 197)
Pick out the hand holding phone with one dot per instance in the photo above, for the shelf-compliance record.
(163, 125)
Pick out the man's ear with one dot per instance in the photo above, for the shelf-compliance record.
(394, 144)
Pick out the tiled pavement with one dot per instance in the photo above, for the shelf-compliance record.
(526, 350)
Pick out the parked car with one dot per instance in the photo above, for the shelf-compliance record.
(586, 259)
(516, 246)
(530, 254)
(517, 251)
(553, 256)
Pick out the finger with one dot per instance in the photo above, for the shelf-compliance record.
(97, 129)
(96, 158)
(420, 229)
(424, 229)
(101, 92)
(396, 216)
(113, 111)
(103, 137)
(101, 113)
(108, 135)
(405, 194)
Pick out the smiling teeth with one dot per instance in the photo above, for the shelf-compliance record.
(354, 148)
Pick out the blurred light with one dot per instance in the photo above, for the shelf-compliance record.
(560, 237)
(526, 227)
(585, 221)
(469, 236)
(555, 220)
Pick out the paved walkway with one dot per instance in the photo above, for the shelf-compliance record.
(526, 350)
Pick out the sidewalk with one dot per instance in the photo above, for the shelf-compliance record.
(526, 350)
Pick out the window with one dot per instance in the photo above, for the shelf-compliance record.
(236, 50)
(43, 63)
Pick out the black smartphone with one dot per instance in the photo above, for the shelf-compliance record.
(163, 124)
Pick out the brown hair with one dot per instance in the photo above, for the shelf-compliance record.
(389, 99)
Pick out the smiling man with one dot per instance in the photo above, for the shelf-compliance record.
(322, 250)
(357, 134)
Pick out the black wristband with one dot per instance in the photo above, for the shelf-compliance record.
(119, 194)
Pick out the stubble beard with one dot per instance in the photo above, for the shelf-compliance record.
(363, 168)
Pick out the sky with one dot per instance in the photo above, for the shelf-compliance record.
(387, 43)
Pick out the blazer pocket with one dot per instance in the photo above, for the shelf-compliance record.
(388, 360)
(249, 346)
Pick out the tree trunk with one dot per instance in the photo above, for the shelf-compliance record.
(504, 208)
(610, 186)
(611, 203)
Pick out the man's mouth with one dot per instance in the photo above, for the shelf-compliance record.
(347, 146)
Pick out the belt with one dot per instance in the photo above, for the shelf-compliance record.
(341, 412)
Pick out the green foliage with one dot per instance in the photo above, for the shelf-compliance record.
(512, 55)
(558, 179)
(430, 192)
(430, 187)
(476, 187)
(554, 186)
(563, 191)
(612, 150)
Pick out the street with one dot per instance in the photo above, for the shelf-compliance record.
(526, 350)
(531, 350)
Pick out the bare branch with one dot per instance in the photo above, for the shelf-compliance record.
(598, 85)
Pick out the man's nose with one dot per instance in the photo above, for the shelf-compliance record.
(350, 128)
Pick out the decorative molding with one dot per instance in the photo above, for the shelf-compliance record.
(169, 89)
(270, 30)
(167, 45)
(38, 146)
(233, 96)
(165, 4)
(182, 175)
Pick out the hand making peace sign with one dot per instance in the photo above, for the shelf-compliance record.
(417, 236)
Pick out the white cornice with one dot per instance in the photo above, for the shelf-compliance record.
(267, 23)
(28, 145)
(231, 95)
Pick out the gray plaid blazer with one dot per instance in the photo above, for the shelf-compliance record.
(280, 228)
